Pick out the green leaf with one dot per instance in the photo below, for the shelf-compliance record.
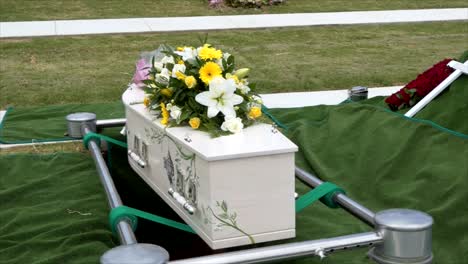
(147, 82)
(170, 66)
(193, 71)
(224, 206)
(230, 68)
(233, 216)
(223, 216)
(185, 115)
(230, 60)
(225, 66)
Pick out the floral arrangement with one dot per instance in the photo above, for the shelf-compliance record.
(244, 3)
(419, 87)
(200, 87)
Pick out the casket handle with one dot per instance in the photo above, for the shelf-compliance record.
(182, 201)
(136, 158)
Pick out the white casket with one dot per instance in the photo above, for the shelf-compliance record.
(232, 190)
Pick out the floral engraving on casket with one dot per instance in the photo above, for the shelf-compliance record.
(180, 171)
(192, 192)
(169, 167)
(180, 183)
(224, 218)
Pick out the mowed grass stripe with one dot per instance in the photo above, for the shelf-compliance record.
(13, 10)
(87, 69)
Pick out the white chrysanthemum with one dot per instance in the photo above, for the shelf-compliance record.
(220, 97)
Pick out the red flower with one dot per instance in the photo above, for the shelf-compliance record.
(393, 101)
(423, 85)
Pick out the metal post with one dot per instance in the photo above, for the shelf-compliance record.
(124, 228)
(344, 201)
(130, 251)
(287, 251)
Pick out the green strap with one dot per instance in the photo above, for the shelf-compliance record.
(92, 135)
(324, 192)
(276, 121)
(132, 214)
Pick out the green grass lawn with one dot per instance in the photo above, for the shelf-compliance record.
(14, 10)
(42, 71)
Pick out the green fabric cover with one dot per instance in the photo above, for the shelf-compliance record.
(47, 123)
(384, 160)
(41, 198)
(381, 159)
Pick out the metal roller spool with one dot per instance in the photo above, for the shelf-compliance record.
(76, 121)
(136, 253)
(407, 237)
(358, 93)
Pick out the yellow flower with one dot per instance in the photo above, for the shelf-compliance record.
(165, 114)
(180, 75)
(255, 112)
(190, 81)
(209, 71)
(146, 101)
(180, 62)
(209, 53)
(241, 73)
(180, 48)
(194, 122)
(166, 92)
(234, 77)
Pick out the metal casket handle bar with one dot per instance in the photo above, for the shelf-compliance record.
(136, 158)
(182, 201)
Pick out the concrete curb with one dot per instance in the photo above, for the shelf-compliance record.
(202, 23)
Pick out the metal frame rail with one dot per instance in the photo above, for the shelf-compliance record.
(400, 236)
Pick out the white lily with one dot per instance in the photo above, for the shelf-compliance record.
(188, 54)
(220, 97)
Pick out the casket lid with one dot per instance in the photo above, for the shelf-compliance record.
(257, 140)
